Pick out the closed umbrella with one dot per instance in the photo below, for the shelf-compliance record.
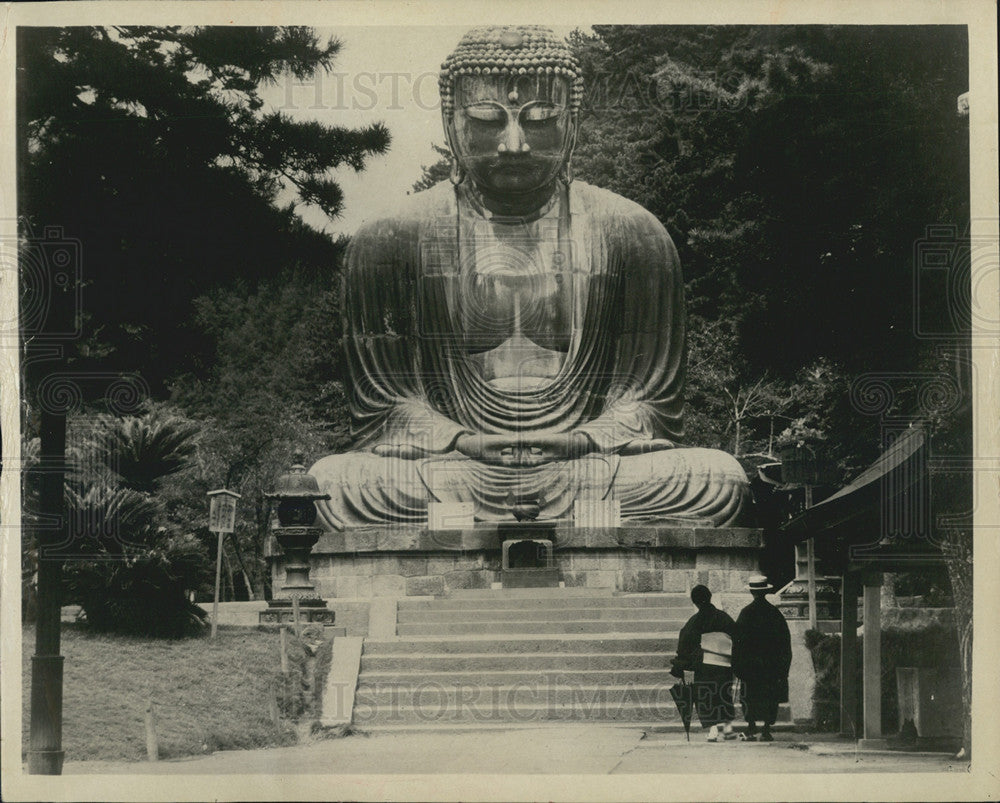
(683, 694)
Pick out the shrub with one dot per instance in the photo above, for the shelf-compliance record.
(140, 590)
(927, 645)
(300, 692)
(825, 652)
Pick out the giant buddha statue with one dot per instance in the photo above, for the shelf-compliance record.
(513, 333)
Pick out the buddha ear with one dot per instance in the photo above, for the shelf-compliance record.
(570, 144)
(448, 124)
(457, 173)
(566, 170)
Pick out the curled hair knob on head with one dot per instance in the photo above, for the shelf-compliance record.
(700, 595)
(509, 50)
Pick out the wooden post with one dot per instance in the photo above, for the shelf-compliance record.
(45, 753)
(848, 655)
(811, 567)
(221, 520)
(152, 744)
(284, 651)
(811, 581)
(872, 660)
(272, 703)
(218, 578)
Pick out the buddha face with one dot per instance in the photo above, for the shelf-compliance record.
(512, 134)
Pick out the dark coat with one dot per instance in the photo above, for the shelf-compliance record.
(762, 650)
(708, 620)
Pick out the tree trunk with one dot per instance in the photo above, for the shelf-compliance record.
(246, 582)
(243, 567)
(261, 576)
(228, 571)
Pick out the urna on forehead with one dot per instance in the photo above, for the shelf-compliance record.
(500, 53)
(511, 89)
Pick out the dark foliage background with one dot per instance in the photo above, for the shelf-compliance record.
(797, 168)
(148, 155)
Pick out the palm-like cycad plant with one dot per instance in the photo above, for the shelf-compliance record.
(109, 521)
(142, 450)
(127, 570)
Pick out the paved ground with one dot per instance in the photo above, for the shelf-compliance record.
(565, 749)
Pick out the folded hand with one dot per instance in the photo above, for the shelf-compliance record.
(523, 450)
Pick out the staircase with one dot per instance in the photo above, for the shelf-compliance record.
(522, 657)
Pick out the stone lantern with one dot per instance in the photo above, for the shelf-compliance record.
(806, 463)
(296, 493)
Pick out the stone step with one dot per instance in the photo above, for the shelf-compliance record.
(367, 715)
(523, 662)
(495, 696)
(390, 728)
(584, 677)
(672, 601)
(671, 727)
(531, 615)
(579, 626)
(613, 643)
(480, 659)
(540, 593)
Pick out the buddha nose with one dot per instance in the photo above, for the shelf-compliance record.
(513, 140)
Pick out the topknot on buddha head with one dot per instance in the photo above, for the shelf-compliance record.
(510, 51)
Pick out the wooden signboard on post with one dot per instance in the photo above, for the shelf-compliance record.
(221, 520)
(222, 511)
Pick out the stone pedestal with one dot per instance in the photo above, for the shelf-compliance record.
(643, 556)
(529, 578)
(794, 600)
(297, 543)
(281, 611)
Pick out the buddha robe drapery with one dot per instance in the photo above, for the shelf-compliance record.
(457, 322)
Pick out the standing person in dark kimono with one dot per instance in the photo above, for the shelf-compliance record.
(704, 648)
(762, 655)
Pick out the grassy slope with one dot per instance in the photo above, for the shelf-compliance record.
(208, 695)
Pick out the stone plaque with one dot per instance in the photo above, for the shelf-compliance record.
(450, 515)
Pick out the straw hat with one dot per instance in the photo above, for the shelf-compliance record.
(759, 582)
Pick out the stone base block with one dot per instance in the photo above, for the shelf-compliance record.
(800, 610)
(637, 557)
(280, 611)
(530, 578)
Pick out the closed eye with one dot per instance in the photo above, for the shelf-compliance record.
(487, 112)
(539, 112)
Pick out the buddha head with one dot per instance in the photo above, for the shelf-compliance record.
(510, 96)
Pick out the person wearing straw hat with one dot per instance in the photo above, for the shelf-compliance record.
(704, 647)
(762, 655)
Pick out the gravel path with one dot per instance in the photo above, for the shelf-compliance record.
(568, 749)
